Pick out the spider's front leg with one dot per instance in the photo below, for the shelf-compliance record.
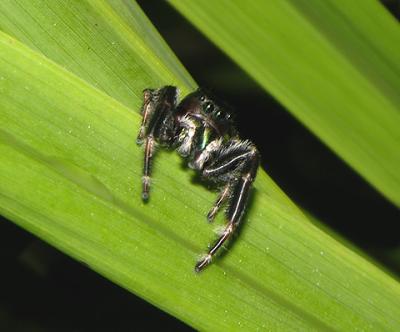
(157, 126)
(147, 110)
(236, 163)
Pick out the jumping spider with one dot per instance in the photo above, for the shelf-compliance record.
(204, 134)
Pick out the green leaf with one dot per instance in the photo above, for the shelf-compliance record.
(333, 64)
(70, 173)
(111, 45)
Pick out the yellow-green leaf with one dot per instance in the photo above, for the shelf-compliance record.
(333, 64)
(70, 173)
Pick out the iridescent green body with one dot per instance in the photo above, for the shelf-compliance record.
(204, 139)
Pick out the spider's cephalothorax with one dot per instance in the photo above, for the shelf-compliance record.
(204, 134)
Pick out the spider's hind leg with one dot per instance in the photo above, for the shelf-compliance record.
(237, 163)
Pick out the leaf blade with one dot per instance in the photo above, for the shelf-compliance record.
(325, 63)
(53, 179)
(93, 40)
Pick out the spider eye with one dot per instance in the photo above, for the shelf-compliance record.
(202, 98)
(208, 107)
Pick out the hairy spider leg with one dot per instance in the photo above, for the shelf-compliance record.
(242, 158)
(147, 112)
(222, 198)
(157, 104)
(147, 109)
(148, 155)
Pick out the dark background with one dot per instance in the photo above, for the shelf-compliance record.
(41, 289)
